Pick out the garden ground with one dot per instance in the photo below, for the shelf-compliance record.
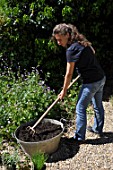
(96, 154)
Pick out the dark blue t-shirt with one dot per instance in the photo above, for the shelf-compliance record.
(85, 62)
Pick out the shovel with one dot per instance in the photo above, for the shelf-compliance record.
(45, 113)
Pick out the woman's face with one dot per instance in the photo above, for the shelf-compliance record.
(62, 39)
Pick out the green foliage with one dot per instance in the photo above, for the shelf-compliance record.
(71, 100)
(3, 6)
(39, 159)
(22, 99)
(27, 28)
(10, 159)
(1, 140)
(3, 12)
(26, 98)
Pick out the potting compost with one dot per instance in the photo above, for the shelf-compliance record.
(43, 131)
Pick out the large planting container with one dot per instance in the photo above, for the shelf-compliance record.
(47, 146)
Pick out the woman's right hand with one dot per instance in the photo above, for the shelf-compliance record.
(62, 94)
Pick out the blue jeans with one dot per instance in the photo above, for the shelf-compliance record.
(90, 92)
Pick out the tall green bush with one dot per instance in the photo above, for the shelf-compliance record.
(26, 29)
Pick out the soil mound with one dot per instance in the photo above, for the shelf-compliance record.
(43, 131)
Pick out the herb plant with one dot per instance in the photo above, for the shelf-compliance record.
(28, 97)
(39, 159)
(10, 159)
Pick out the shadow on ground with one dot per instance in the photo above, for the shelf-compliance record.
(107, 137)
(67, 149)
(108, 90)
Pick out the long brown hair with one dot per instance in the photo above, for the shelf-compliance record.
(63, 29)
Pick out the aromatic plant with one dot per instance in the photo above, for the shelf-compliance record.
(10, 159)
(22, 99)
(39, 159)
(27, 97)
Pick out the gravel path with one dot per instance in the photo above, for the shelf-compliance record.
(96, 154)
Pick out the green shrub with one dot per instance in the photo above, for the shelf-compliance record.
(27, 98)
(22, 99)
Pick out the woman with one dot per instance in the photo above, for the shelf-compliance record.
(80, 54)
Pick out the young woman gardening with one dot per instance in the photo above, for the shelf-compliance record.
(81, 55)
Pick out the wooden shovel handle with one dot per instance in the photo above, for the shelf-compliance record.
(74, 81)
(39, 120)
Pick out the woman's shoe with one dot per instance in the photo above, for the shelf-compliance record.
(90, 129)
(78, 141)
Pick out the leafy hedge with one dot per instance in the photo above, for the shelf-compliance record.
(26, 27)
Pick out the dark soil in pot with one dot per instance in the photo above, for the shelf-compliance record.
(43, 131)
